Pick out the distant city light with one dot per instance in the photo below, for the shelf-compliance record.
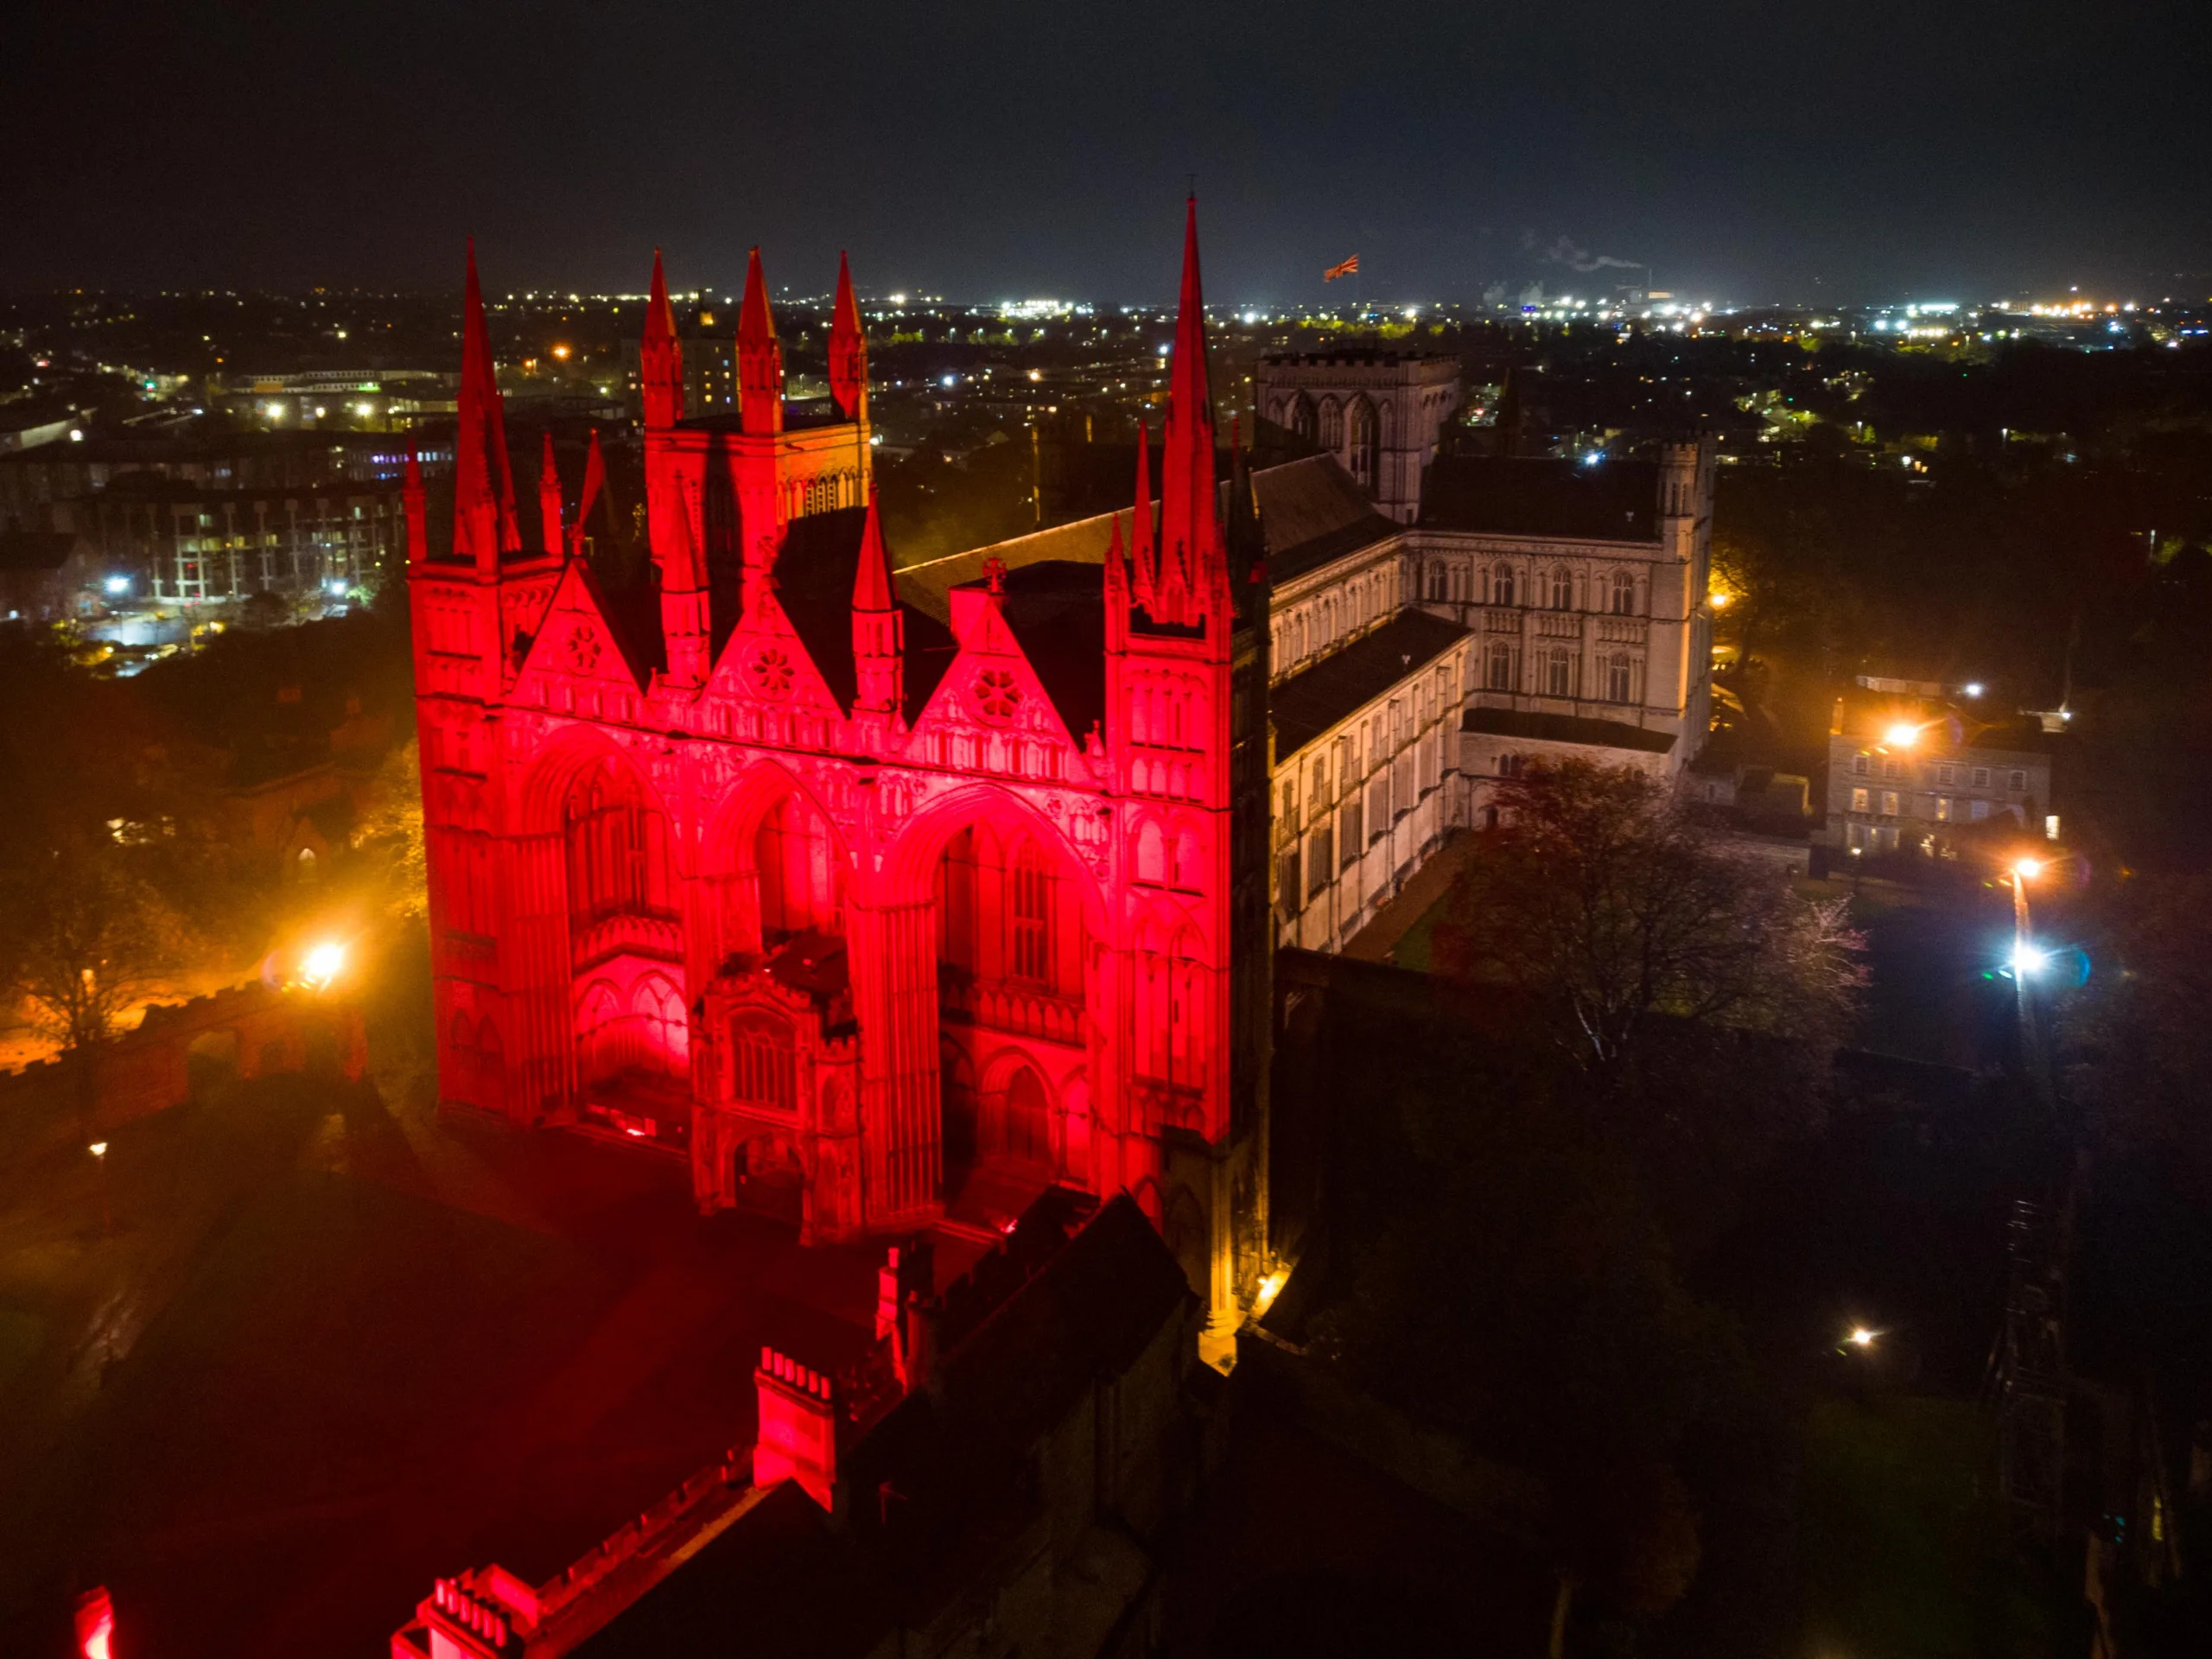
(2029, 959)
(1862, 1337)
(76, 435)
(897, 299)
(1971, 687)
(117, 584)
(335, 588)
(561, 351)
(1593, 458)
(951, 380)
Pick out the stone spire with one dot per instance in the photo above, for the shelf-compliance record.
(847, 349)
(1190, 532)
(759, 358)
(660, 357)
(549, 499)
(878, 628)
(484, 523)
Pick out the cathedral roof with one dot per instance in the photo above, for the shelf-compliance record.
(1309, 704)
(814, 583)
(1056, 609)
(1312, 512)
(1613, 501)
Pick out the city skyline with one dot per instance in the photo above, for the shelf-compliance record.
(984, 156)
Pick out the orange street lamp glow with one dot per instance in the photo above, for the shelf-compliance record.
(1901, 737)
(561, 351)
(1721, 601)
(323, 963)
(1862, 1337)
(2027, 868)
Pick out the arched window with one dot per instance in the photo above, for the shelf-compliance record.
(1501, 584)
(1498, 667)
(801, 885)
(1618, 678)
(1152, 854)
(1623, 594)
(762, 1067)
(1186, 1033)
(1438, 580)
(663, 1034)
(1030, 911)
(1190, 872)
(598, 1033)
(1359, 420)
(1563, 589)
(1026, 1120)
(1303, 420)
(1332, 424)
(616, 848)
(1559, 672)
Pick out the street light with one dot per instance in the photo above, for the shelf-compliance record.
(1861, 1337)
(323, 963)
(1901, 737)
(2027, 868)
(2029, 959)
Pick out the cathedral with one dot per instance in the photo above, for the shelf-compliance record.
(889, 897)
(885, 915)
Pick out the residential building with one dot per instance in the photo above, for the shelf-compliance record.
(1918, 766)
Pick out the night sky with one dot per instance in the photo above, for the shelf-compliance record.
(1751, 151)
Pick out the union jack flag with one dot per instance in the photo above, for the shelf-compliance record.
(1350, 268)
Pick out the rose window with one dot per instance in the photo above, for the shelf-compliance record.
(997, 693)
(772, 672)
(583, 649)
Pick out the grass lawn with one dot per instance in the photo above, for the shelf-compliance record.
(1905, 1548)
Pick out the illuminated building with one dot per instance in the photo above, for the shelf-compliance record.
(1917, 767)
(876, 898)
(1378, 411)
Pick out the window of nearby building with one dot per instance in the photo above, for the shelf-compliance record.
(1563, 589)
(2016, 781)
(1862, 765)
(1500, 666)
(1559, 672)
(1623, 594)
(1288, 898)
(1946, 774)
(1942, 809)
(1979, 811)
(1617, 679)
(1378, 805)
(1501, 584)
(1032, 915)
(1981, 777)
(1351, 837)
(1437, 580)
(1320, 860)
(1888, 802)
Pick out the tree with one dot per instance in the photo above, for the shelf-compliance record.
(1609, 910)
(93, 938)
(391, 831)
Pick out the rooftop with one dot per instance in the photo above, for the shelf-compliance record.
(1310, 702)
(1612, 501)
(1566, 729)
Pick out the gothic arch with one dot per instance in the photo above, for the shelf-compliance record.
(730, 849)
(909, 866)
(560, 762)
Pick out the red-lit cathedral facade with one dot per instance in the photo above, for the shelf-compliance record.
(874, 911)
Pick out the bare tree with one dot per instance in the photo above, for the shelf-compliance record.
(1604, 906)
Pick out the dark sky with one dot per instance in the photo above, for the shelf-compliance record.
(1753, 151)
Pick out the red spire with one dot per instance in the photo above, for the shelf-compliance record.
(483, 488)
(1190, 534)
(872, 583)
(549, 498)
(595, 481)
(660, 357)
(759, 358)
(1143, 566)
(848, 348)
(878, 631)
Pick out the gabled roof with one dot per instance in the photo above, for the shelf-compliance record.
(1311, 512)
(1057, 613)
(1566, 729)
(1309, 704)
(1612, 501)
(814, 584)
